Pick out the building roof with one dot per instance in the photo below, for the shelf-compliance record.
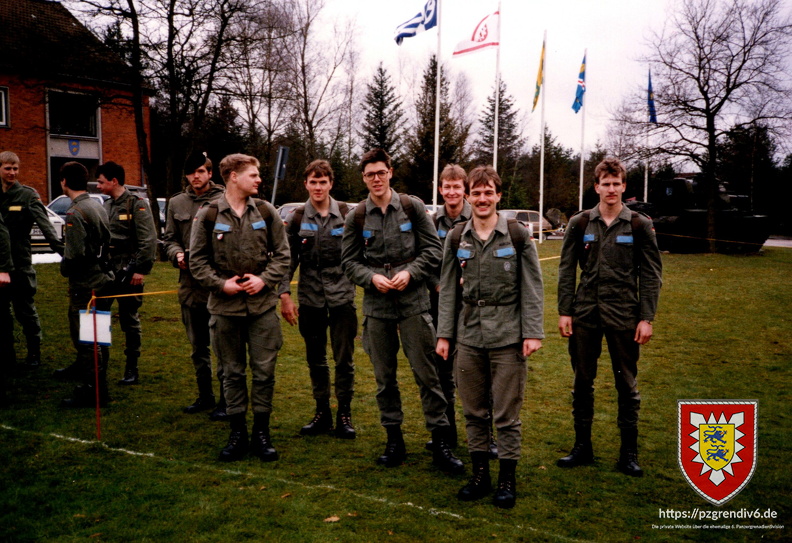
(43, 39)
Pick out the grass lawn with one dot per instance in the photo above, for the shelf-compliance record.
(723, 332)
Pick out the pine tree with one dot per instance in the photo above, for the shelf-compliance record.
(418, 173)
(382, 125)
(510, 142)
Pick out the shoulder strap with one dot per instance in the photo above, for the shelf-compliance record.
(579, 232)
(211, 215)
(407, 205)
(455, 235)
(360, 217)
(517, 235)
(296, 220)
(343, 207)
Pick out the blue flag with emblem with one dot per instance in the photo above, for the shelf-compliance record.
(581, 87)
(424, 20)
(650, 101)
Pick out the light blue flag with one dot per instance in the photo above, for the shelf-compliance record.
(424, 20)
(650, 101)
(581, 87)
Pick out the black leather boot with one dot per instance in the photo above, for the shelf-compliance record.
(628, 456)
(453, 438)
(322, 421)
(442, 456)
(33, 359)
(237, 446)
(206, 398)
(582, 453)
(480, 484)
(395, 451)
(72, 372)
(130, 373)
(506, 495)
(219, 414)
(343, 427)
(85, 396)
(261, 443)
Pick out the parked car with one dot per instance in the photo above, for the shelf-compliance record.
(285, 209)
(62, 203)
(528, 217)
(38, 243)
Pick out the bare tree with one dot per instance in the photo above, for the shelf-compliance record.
(717, 65)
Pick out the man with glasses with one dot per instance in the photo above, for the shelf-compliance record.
(390, 247)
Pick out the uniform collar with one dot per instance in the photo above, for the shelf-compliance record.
(624, 215)
(467, 212)
(395, 202)
(501, 226)
(311, 212)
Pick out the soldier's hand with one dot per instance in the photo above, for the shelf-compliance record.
(253, 285)
(643, 333)
(137, 279)
(5, 279)
(288, 309)
(530, 346)
(231, 287)
(565, 326)
(442, 347)
(401, 280)
(381, 283)
(180, 262)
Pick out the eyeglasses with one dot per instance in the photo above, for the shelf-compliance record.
(369, 176)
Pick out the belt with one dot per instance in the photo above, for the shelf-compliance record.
(482, 303)
(389, 265)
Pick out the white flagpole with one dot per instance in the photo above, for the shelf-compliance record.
(582, 136)
(437, 108)
(497, 95)
(646, 170)
(542, 154)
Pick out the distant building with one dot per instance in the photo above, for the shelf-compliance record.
(64, 96)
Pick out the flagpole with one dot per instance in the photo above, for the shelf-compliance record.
(582, 136)
(497, 94)
(437, 108)
(542, 154)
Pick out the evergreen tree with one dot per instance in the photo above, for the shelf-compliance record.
(510, 142)
(416, 177)
(382, 125)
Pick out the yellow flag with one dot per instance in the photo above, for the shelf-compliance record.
(539, 77)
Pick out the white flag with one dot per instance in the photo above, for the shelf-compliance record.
(485, 35)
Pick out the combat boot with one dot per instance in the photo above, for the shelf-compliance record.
(506, 495)
(480, 484)
(343, 427)
(442, 456)
(321, 423)
(237, 446)
(453, 437)
(33, 358)
(395, 451)
(219, 414)
(206, 399)
(628, 456)
(72, 372)
(85, 396)
(130, 372)
(583, 452)
(261, 443)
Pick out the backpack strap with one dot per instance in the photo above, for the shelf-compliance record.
(343, 207)
(516, 233)
(407, 205)
(296, 221)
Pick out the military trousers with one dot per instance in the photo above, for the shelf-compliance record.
(19, 296)
(585, 347)
(234, 339)
(492, 378)
(381, 343)
(445, 367)
(342, 321)
(196, 322)
(129, 319)
(78, 301)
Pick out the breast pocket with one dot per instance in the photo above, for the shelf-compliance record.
(505, 263)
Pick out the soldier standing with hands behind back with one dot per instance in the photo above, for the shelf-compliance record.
(193, 298)
(133, 248)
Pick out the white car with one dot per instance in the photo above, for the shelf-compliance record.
(38, 243)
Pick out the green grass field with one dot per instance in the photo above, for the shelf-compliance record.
(723, 332)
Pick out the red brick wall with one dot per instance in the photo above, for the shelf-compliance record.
(27, 137)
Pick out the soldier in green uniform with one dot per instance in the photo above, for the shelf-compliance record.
(182, 208)
(21, 207)
(6, 342)
(86, 267)
(239, 252)
(133, 249)
(621, 275)
(327, 299)
(491, 303)
(390, 251)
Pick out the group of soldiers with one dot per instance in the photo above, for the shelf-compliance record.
(461, 293)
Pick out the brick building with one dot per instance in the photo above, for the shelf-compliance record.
(63, 96)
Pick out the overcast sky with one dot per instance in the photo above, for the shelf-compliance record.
(614, 32)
